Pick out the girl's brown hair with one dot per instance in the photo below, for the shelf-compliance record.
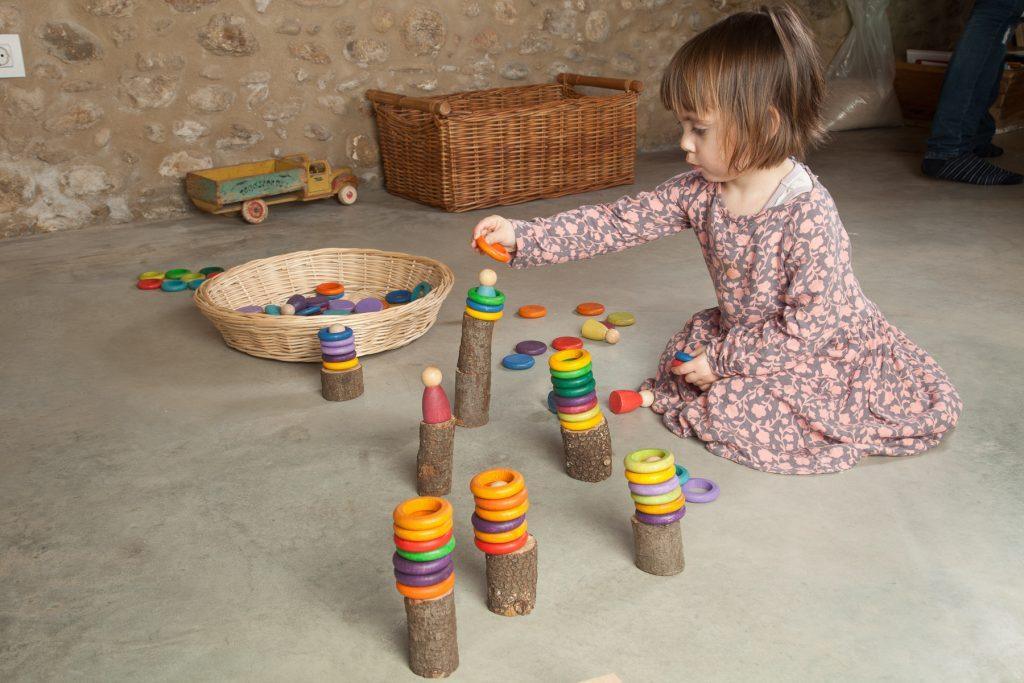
(761, 72)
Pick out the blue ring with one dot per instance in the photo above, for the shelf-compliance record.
(484, 308)
(421, 290)
(683, 474)
(551, 403)
(173, 285)
(399, 296)
(325, 335)
(518, 361)
(336, 296)
(683, 356)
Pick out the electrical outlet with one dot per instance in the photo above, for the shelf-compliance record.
(12, 64)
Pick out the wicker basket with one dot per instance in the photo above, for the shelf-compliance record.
(364, 272)
(507, 145)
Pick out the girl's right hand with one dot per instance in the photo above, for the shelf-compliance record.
(495, 229)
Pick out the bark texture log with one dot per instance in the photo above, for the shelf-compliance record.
(341, 385)
(512, 581)
(472, 398)
(588, 454)
(435, 458)
(433, 638)
(658, 548)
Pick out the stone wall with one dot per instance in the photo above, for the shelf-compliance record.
(123, 97)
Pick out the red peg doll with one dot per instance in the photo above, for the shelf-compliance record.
(436, 407)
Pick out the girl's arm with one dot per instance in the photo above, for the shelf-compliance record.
(600, 229)
(808, 321)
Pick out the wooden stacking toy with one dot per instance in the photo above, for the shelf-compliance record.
(500, 529)
(586, 439)
(341, 377)
(592, 329)
(484, 306)
(660, 504)
(425, 576)
(625, 401)
(437, 439)
(680, 358)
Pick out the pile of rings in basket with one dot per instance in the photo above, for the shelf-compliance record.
(485, 302)
(575, 390)
(424, 540)
(499, 521)
(657, 486)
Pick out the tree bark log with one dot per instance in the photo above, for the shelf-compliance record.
(341, 385)
(588, 454)
(658, 547)
(512, 581)
(472, 398)
(435, 458)
(475, 349)
(433, 638)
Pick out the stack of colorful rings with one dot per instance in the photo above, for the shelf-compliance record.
(485, 302)
(575, 391)
(424, 569)
(338, 348)
(654, 486)
(499, 522)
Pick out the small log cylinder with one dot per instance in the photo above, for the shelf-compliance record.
(435, 458)
(658, 548)
(433, 638)
(472, 398)
(475, 349)
(341, 385)
(512, 581)
(588, 454)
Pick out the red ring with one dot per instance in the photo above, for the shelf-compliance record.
(149, 283)
(423, 546)
(564, 343)
(501, 548)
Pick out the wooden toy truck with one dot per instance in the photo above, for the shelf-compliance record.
(252, 188)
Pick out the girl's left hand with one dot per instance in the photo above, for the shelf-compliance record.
(697, 371)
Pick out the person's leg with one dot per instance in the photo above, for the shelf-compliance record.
(986, 127)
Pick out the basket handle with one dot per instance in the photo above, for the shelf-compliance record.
(439, 107)
(600, 82)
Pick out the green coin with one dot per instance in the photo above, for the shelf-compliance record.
(435, 554)
(211, 269)
(621, 319)
(498, 300)
(574, 383)
(188, 277)
(579, 391)
(572, 374)
(176, 273)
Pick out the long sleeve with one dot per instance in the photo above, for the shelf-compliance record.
(601, 229)
(810, 315)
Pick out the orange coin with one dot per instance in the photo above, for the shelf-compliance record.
(590, 308)
(532, 311)
(330, 288)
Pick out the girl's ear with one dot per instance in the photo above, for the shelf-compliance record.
(774, 120)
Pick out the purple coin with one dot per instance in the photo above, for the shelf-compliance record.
(297, 300)
(340, 305)
(575, 400)
(338, 359)
(661, 519)
(700, 490)
(531, 347)
(318, 300)
(370, 305)
(481, 524)
(410, 567)
(424, 579)
(250, 309)
(654, 489)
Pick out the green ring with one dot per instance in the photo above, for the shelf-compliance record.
(498, 300)
(657, 500)
(572, 374)
(435, 554)
(210, 269)
(176, 273)
(573, 393)
(188, 277)
(572, 383)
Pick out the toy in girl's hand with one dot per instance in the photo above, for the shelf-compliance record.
(625, 401)
(592, 329)
(681, 357)
(496, 251)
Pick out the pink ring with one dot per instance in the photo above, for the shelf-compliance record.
(572, 410)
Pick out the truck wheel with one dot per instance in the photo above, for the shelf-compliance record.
(347, 194)
(255, 211)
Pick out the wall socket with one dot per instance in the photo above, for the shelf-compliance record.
(12, 63)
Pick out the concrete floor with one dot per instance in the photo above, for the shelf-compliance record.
(171, 509)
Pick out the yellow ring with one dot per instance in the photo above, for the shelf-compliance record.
(425, 534)
(503, 537)
(503, 515)
(580, 417)
(637, 460)
(481, 487)
(569, 360)
(583, 426)
(481, 315)
(651, 477)
(343, 365)
(664, 508)
(425, 512)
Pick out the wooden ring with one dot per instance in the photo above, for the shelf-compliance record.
(501, 548)
(426, 592)
(480, 315)
(580, 417)
(574, 383)
(638, 461)
(429, 555)
(422, 546)
(503, 537)
(481, 487)
(330, 288)
(585, 425)
(502, 503)
(569, 360)
(651, 477)
(575, 392)
(657, 500)
(498, 299)
(496, 251)
(664, 508)
(424, 534)
(573, 374)
(503, 515)
(343, 365)
(532, 311)
(425, 512)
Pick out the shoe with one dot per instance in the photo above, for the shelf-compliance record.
(969, 168)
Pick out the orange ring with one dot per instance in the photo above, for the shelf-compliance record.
(503, 515)
(423, 534)
(427, 592)
(502, 503)
(502, 537)
(481, 487)
(496, 251)
(502, 548)
(425, 512)
(532, 311)
(664, 508)
(330, 288)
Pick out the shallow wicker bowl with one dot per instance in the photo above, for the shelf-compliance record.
(364, 272)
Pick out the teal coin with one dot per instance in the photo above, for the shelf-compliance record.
(421, 290)
(194, 284)
(272, 309)
(173, 285)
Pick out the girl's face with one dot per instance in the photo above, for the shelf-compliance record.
(705, 146)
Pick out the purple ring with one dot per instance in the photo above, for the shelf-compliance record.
(338, 359)
(409, 567)
(337, 350)
(700, 490)
(661, 519)
(654, 489)
(576, 400)
(424, 579)
(487, 527)
(339, 345)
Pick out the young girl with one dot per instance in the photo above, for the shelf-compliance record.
(795, 370)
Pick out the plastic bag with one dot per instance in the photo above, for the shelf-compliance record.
(860, 90)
